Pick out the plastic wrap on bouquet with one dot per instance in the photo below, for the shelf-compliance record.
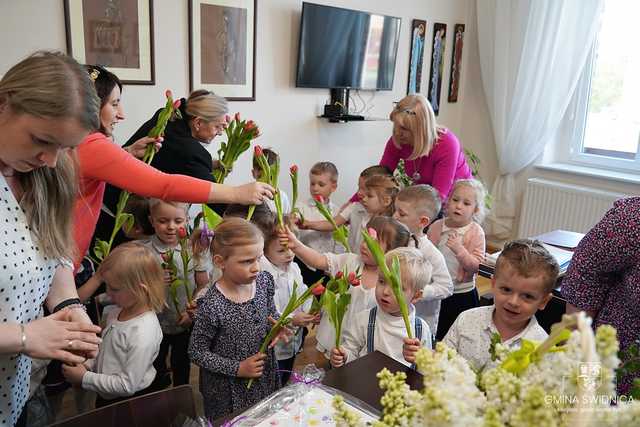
(304, 402)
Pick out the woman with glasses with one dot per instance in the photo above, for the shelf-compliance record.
(432, 153)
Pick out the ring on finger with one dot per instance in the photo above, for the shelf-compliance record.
(70, 344)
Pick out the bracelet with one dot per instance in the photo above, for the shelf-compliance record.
(74, 306)
(66, 303)
(23, 339)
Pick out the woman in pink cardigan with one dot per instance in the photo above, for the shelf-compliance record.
(432, 154)
(461, 240)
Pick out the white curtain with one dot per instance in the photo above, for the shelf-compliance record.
(531, 55)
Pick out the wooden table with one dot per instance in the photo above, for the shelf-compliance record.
(358, 379)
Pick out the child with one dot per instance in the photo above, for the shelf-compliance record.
(461, 240)
(391, 235)
(377, 199)
(364, 175)
(522, 283)
(414, 207)
(167, 218)
(323, 182)
(382, 327)
(278, 260)
(138, 206)
(132, 335)
(231, 322)
(256, 172)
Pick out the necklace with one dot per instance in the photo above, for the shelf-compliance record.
(416, 170)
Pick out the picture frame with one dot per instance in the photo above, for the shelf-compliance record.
(456, 63)
(118, 37)
(222, 47)
(437, 65)
(418, 33)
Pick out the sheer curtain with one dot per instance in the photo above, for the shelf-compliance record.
(531, 55)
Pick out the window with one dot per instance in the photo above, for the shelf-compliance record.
(606, 129)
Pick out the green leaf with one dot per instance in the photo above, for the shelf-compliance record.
(211, 217)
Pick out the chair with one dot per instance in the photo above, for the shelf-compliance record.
(165, 408)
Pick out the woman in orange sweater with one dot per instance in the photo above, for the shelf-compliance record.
(101, 161)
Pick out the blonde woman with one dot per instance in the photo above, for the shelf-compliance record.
(47, 107)
(432, 153)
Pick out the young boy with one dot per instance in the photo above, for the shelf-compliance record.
(382, 328)
(522, 283)
(323, 181)
(272, 158)
(415, 207)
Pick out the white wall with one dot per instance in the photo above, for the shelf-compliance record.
(287, 115)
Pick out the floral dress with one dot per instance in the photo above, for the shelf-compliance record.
(226, 333)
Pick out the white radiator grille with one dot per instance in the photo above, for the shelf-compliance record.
(549, 205)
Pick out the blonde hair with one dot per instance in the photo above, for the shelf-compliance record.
(480, 193)
(234, 232)
(415, 113)
(383, 186)
(423, 198)
(155, 203)
(529, 258)
(51, 85)
(414, 267)
(325, 167)
(206, 105)
(136, 268)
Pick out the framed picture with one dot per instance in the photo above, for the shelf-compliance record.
(115, 34)
(437, 61)
(456, 62)
(222, 47)
(418, 30)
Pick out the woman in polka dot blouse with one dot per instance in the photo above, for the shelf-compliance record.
(47, 106)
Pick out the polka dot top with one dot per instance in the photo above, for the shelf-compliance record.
(25, 277)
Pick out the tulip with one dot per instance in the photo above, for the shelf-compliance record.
(227, 118)
(182, 232)
(257, 151)
(373, 233)
(168, 93)
(237, 116)
(353, 279)
(318, 198)
(293, 169)
(339, 275)
(176, 104)
(318, 290)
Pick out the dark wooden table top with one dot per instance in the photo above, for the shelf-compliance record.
(358, 379)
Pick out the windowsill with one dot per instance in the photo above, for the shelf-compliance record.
(612, 175)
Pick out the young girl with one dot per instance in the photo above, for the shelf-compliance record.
(167, 218)
(232, 319)
(391, 234)
(132, 334)
(377, 198)
(461, 240)
(278, 260)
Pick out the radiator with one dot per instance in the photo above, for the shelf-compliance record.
(550, 205)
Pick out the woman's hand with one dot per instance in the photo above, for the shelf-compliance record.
(254, 193)
(138, 148)
(74, 373)
(57, 337)
(77, 314)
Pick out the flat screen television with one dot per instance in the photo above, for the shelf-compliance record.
(344, 48)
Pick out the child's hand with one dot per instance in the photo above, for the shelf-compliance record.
(284, 334)
(309, 225)
(338, 356)
(191, 309)
(287, 239)
(316, 318)
(454, 242)
(184, 320)
(252, 367)
(73, 373)
(410, 349)
(302, 319)
(168, 277)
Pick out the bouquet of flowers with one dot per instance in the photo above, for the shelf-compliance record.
(400, 175)
(294, 302)
(336, 300)
(240, 133)
(541, 384)
(340, 234)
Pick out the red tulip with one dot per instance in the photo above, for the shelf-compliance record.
(318, 290)
(237, 117)
(227, 118)
(250, 125)
(353, 279)
(168, 94)
(339, 275)
(182, 232)
(318, 198)
(373, 233)
(176, 104)
(257, 151)
(293, 169)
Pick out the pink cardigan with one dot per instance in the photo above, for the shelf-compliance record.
(469, 257)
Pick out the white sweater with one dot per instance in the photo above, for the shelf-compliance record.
(124, 364)
(441, 285)
(388, 338)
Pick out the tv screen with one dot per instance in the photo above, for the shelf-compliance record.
(343, 48)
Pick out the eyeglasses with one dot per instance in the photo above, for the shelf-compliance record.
(403, 110)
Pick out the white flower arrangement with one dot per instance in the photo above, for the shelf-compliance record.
(538, 385)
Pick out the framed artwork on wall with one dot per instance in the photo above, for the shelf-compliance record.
(437, 65)
(222, 47)
(115, 34)
(456, 62)
(418, 31)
